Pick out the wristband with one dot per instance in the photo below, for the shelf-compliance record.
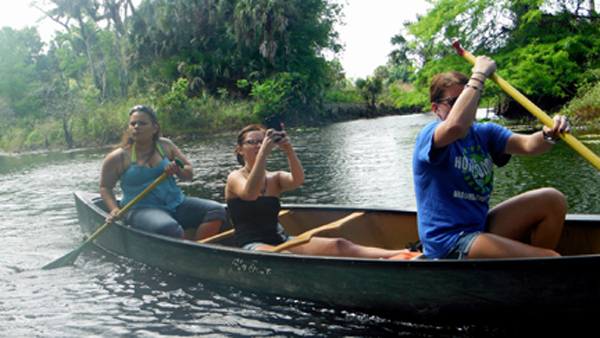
(549, 139)
(480, 89)
(482, 73)
(478, 80)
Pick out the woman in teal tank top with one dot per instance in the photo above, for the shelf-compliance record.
(137, 162)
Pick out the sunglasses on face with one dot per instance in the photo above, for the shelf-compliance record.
(450, 101)
(253, 142)
(145, 109)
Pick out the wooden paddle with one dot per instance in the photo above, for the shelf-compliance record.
(537, 112)
(70, 258)
(306, 236)
(231, 232)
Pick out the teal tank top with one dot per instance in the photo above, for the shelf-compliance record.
(167, 195)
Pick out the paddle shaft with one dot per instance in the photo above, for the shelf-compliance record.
(129, 205)
(535, 110)
(72, 256)
(306, 236)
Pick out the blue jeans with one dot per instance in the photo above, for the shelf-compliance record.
(188, 215)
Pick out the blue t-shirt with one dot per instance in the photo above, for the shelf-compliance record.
(453, 184)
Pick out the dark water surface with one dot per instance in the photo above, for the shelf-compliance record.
(363, 163)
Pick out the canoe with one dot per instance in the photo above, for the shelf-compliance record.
(419, 288)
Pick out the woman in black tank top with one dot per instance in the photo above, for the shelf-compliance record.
(252, 196)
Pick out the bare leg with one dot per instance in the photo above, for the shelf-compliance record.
(324, 246)
(207, 229)
(493, 246)
(535, 217)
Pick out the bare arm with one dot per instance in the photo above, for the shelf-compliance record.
(293, 179)
(172, 152)
(461, 116)
(536, 144)
(112, 169)
(248, 187)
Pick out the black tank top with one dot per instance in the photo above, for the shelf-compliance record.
(256, 221)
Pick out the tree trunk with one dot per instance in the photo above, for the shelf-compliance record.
(68, 136)
(88, 50)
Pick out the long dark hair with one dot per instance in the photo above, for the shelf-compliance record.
(242, 137)
(127, 140)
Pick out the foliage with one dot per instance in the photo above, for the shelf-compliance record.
(409, 96)
(19, 51)
(216, 44)
(586, 106)
(213, 65)
(541, 47)
(370, 88)
(347, 94)
(273, 96)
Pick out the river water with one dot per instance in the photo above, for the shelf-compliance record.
(363, 163)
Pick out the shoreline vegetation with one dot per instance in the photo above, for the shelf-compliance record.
(334, 114)
(208, 68)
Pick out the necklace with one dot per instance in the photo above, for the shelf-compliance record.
(262, 192)
(149, 154)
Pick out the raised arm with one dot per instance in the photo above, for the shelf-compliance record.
(456, 123)
(293, 179)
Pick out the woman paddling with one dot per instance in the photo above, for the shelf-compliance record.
(453, 173)
(141, 158)
(252, 195)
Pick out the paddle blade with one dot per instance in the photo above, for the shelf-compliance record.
(68, 259)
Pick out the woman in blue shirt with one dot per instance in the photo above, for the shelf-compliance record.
(453, 173)
(137, 162)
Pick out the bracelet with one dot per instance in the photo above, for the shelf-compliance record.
(482, 73)
(549, 139)
(478, 80)
(474, 87)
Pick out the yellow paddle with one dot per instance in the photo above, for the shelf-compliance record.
(306, 236)
(537, 112)
(70, 258)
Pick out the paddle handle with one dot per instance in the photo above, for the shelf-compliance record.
(535, 110)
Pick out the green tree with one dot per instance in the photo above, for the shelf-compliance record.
(542, 47)
(19, 52)
(370, 88)
(214, 44)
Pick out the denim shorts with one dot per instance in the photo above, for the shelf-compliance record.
(461, 248)
(280, 232)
